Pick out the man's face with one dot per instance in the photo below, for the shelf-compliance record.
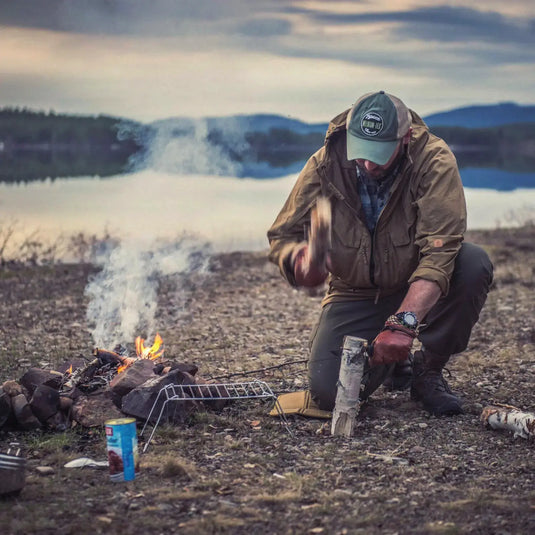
(380, 171)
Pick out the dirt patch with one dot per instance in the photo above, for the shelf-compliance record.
(239, 471)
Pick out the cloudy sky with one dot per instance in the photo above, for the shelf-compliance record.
(152, 59)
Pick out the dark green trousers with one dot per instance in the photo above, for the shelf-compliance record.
(445, 331)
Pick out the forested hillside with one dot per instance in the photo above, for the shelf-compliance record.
(37, 145)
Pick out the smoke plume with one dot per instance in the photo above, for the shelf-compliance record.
(123, 295)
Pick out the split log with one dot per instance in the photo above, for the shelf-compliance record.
(499, 416)
(347, 403)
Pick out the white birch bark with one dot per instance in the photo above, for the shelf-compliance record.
(347, 403)
(522, 424)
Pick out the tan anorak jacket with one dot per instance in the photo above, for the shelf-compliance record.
(419, 231)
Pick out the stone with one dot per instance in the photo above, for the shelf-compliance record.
(140, 401)
(135, 375)
(35, 377)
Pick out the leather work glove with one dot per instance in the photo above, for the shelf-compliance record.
(392, 344)
(307, 273)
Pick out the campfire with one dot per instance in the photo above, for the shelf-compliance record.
(142, 352)
(89, 391)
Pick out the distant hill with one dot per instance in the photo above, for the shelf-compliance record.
(476, 116)
(483, 116)
(243, 123)
(39, 145)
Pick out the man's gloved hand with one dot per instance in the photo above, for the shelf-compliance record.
(310, 261)
(307, 273)
(392, 344)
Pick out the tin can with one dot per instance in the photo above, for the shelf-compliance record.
(121, 438)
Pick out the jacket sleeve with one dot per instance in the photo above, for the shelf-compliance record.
(290, 228)
(441, 221)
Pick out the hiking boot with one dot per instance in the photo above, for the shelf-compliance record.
(430, 387)
(401, 377)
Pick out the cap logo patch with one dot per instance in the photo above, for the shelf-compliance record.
(371, 123)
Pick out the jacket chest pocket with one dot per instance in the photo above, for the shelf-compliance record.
(397, 257)
(350, 253)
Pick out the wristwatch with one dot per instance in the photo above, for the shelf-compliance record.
(407, 319)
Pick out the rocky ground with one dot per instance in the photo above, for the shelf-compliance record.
(239, 470)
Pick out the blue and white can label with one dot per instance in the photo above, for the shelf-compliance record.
(123, 459)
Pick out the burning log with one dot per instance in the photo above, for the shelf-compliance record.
(80, 374)
(499, 416)
(111, 357)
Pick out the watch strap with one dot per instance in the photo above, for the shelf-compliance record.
(397, 319)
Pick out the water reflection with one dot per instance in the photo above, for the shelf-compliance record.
(232, 213)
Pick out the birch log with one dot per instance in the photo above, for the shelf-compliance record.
(347, 403)
(522, 424)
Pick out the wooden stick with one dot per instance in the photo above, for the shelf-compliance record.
(78, 375)
(320, 232)
(347, 405)
(511, 418)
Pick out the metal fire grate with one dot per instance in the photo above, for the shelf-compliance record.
(212, 392)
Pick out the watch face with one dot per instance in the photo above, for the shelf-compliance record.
(409, 318)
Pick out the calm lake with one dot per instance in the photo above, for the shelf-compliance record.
(232, 213)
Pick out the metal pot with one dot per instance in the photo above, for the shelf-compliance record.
(12, 474)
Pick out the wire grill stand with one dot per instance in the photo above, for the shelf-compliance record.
(212, 392)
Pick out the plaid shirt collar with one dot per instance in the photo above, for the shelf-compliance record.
(374, 194)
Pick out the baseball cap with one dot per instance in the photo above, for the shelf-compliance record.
(375, 124)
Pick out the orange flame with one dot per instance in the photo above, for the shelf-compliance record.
(69, 371)
(152, 352)
(143, 352)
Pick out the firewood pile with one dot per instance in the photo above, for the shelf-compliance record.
(88, 392)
